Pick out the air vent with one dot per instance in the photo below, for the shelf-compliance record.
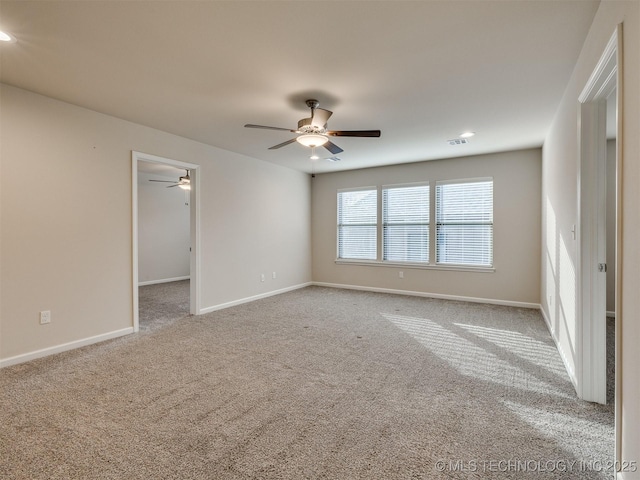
(333, 159)
(457, 141)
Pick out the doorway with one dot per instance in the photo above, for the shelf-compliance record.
(165, 236)
(599, 228)
(611, 228)
(592, 219)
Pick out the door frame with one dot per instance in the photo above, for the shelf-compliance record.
(194, 226)
(591, 330)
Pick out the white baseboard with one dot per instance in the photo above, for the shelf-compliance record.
(253, 298)
(45, 352)
(163, 280)
(563, 356)
(412, 293)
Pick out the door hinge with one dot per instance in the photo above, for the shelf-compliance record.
(602, 267)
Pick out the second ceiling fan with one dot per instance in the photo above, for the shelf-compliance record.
(183, 182)
(313, 131)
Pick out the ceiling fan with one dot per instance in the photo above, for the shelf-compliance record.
(183, 182)
(313, 131)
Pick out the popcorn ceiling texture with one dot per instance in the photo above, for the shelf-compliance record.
(314, 383)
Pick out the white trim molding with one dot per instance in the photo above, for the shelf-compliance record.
(240, 301)
(491, 301)
(423, 266)
(163, 280)
(591, 228)
(45, 352)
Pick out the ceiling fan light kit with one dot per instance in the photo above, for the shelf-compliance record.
(7, 37)
(312, 140)
(313, 131)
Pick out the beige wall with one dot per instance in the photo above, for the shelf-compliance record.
(516, 228)
(559, 199)
(66, 221)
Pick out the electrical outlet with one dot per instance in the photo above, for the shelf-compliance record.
(273, 275)
(401, 274)
(262, 277)
(45, 317)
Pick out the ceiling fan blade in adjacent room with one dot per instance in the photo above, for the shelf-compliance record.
(282, 144)
(354, 133)
(176, 185)
(333, 148)
(264, 127)
(320, 117)
(163, 181)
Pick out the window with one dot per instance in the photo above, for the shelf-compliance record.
(464, 222)
(405, 224)
(462, 226)
(358, 224)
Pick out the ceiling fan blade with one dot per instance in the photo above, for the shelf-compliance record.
(354, 133)
(282, 144)
(163, 181)
(320, 117)
(176, 185)
(333, 148)
(249, 125)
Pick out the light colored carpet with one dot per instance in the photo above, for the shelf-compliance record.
(316, 383)
(162, 303)
(611, 359)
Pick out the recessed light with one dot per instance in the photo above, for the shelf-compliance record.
(467, 134)
(5, 37)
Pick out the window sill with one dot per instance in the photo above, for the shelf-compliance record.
(419, 266)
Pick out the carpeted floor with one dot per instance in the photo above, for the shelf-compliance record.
(611, 359)
(162, 303)
(316, 383)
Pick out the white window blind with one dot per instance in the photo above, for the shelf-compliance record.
(357, 224)
(405, 224)
(464, 222)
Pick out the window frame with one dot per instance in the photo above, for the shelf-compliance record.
(383, 222)
(375, 225)
(437, 223)
(432, 265)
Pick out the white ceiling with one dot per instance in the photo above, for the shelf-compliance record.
(420, 71)
(160, 170)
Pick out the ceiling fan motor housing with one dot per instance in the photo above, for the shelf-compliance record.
(306, 125)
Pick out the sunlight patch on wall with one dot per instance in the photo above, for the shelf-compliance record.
(551, 237)
(549, 273)
(550, 295)
(567, 291)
